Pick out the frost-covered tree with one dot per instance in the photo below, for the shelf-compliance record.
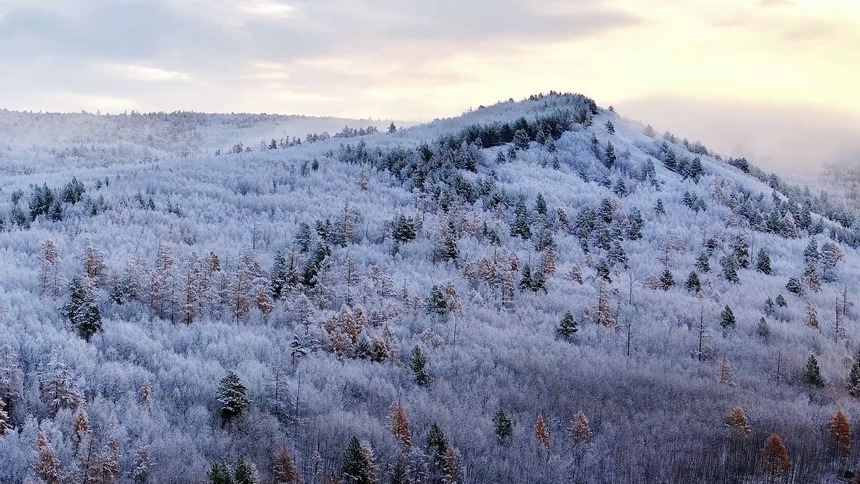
(504, 427)
(232, 397)
(567, 328)
(839, 428)
(763, 262)
(82, 309)
(727, 318)
(418, 363)
(774, 458)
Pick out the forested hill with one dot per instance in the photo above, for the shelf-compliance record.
(535, 292)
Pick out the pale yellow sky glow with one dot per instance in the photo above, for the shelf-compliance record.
(418, 61)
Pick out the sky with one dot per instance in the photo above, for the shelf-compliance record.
(755, 77)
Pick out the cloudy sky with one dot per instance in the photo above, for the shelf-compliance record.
(776, 79)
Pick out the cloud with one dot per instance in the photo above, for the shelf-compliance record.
(145, 73)
(785, 138)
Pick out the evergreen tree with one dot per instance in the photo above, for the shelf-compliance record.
(669, 160)
(780, 301)
(659, 207)
(763, 330)
(357, 467)
(769, 307)
(244, 472)
(602, 270)
(520, 228)
(540, 205)
(727, 318)
(609, 156)
(504, 427)
(418, 364)
(610, 127)
(730, 272)
(522, 139)
(854, 378)
(634, 229)
(693, 283)
(763, 262)
(82, 309)
(794, 286)
(667, 280)
(526, 279)
(812, 374)
(703, 262)
(437, 302)
(437, 446)
(810, 254)
(231, 395)
(567, 328)
(279, 275)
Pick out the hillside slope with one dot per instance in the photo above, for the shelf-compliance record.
(429, 269)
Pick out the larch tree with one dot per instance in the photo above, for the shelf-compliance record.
(774, 458)
(811, 315)
(47, 465)
(580, 429)
(737, 422)
(400, 426)
(58, 388)
(726, 374)
(284, 469)
(839, 429)
(453, 471)
(542, 432)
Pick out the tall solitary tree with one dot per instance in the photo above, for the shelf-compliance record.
(231, 395)
(774, 458)
(812, 374)
(839, 429)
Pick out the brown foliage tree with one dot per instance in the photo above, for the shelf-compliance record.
(840, 432)
(400, 426)
(774, 458)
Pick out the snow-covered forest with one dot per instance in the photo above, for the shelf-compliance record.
(535, 291)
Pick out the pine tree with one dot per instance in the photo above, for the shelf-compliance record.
(4, 419)
(774, 458)
(693, 283)
(542, 432)
(609, 157)
(854, 378)
(703, 262)
(244, 472)
(812, 374)
(419, 367)
(730, 272)
(567, 328)
(602, 270)
(520, 227)
(526, 282)
(810, 254)
(811, 315)
(793, 286)
(658, 208)
(727, 318)
(763, 329)
(82, 309)
(580, 429)
(284, 471)
(436, 446)
(840, 432)
(504, 427)
(669, 161)
(737, 422)
(780, 301)
(400, 426)
(279, 275)
(763, 262)
(231, 395)
(219, 473)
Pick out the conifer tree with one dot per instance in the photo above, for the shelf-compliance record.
(437, 446)
(400, 426)
(730, 272)
(737, 422)
(284, 470)
(219, 473)
(82, 309)
(763, 262)
(693, 283)
(47, 465)
(811, 315)
(418, 364)
(774, 458)
(703, 262)
(567, 328)
(727, 318)
(580, 429)
(453, 471)
(504, 427)
(793, 286)
(669, 161)
(609, 157)
(231, 395)
(780, 301)
(726, 373)
(763, 329)
(542, 432)
(840, 433)
(4, 419)
(812, 374)
(659, 208)
(854, 378)
(244, 472)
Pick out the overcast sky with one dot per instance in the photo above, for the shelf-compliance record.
(729, 72)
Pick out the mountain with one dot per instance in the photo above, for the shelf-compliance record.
(535, 291)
